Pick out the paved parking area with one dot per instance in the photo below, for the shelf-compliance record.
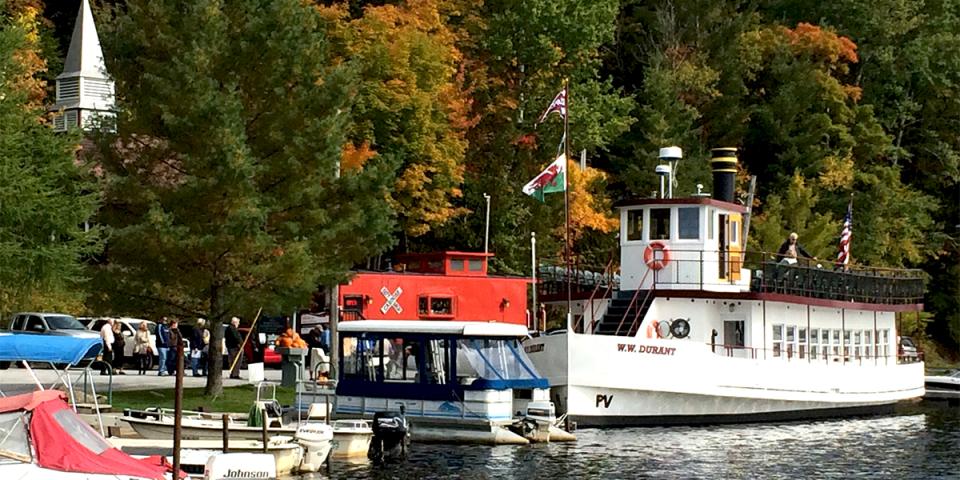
(18, 380)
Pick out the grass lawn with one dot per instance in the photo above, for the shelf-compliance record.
(234, 399)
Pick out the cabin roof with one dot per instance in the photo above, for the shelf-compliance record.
(465, 329)
(636, 202)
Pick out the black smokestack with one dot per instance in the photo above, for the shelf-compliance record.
(723, 162)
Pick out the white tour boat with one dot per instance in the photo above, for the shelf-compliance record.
(455, 381)
(701, 331)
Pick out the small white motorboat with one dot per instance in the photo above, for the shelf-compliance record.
(943, 387)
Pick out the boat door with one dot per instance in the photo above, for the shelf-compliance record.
(730, 249)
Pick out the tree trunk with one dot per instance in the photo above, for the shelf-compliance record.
(215, 357)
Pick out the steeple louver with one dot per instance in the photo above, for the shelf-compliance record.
(85, 92)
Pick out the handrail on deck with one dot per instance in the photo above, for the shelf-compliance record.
(633, 301)
(805, 356)
(607, 273)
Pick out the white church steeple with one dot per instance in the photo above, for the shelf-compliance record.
(85, 92)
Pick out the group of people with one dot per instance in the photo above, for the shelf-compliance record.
(168, 335)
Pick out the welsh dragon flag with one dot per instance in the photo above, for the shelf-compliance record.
(551, 180)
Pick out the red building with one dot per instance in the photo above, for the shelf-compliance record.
(436, 286)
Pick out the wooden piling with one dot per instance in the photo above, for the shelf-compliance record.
(177, 405)
(226, 433)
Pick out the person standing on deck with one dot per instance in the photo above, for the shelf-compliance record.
(163, 346)
(791, 250)
(233, 340)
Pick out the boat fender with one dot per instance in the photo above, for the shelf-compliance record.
(652, 329)
(656, 263)
(680, 328)
(663, 329)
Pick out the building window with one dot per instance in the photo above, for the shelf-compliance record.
(634, 225)
(435, 306)
(688, 220)
(659, 224)
(457, 265)
(476, 265)
(777, 340)
(734, 232)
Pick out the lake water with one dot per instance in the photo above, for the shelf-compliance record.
(919, 442)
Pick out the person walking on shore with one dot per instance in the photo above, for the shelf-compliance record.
(233, 340)
(106, 336)
(198, 344)
(141, 347)
(118, 344)
(163, 346)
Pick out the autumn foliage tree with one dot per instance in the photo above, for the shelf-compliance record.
(411, 106)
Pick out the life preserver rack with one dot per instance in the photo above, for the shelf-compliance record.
(650, 258)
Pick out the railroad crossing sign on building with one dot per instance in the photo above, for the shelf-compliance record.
(391, 300)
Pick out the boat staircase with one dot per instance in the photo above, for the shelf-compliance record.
(625, 313)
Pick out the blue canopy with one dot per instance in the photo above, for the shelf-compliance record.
(47, 348)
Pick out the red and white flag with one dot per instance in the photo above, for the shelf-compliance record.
(558, 105)
(843, 247)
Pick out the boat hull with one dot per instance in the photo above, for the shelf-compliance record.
(601, 380)
(162, 430)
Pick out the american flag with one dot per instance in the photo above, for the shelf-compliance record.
(559, 105)
(843, 254)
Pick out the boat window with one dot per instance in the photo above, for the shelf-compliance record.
(400, 360)
(791, 340)
(634, 225)
(476, 265)
(814, 342)
(710, 220)
(435, 266)
(857, 342)
(457, 265)
(437, 361)
(777, 340)
(867, 343)
(423, 305)
(836, 344)
(886, 342)
(659, 224)
(802, 342)
(80, 431)
(361, 357)
(14, 441)
(846, 344)
(493, 359)
(688, 220)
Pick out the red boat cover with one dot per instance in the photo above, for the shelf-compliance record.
(63, 441)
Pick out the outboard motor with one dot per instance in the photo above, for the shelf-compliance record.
(391, 437)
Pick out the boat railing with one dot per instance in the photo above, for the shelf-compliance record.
(584, 278)
(608, 272)
(692, 269)
(848, 357)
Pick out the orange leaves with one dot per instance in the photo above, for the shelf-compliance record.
(821, 43)
(589, 207)
(26, 15)
(354, 157)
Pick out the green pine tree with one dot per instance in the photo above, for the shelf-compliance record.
(46, 199)
(222, 188)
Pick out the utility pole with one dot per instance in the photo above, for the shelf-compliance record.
(535, 312)
(486, 230)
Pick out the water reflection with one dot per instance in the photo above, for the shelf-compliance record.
(923, 443)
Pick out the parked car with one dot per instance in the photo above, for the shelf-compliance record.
(270, 355)
(38, 323)
(49, 324)
(128, 327)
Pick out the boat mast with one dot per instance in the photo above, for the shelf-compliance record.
(566, 198)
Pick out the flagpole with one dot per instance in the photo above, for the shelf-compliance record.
(566, 198)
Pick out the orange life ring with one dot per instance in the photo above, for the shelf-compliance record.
(654, 263)
(652, 329)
